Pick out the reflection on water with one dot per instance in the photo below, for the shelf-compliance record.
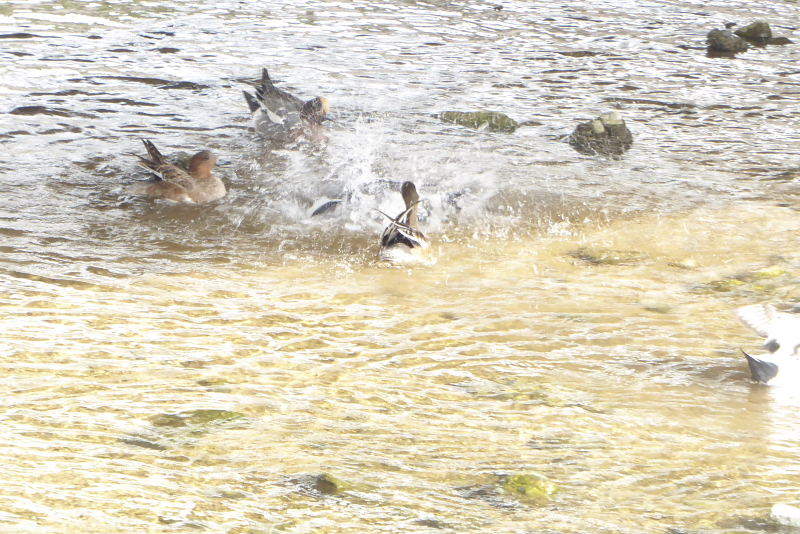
(185, 367)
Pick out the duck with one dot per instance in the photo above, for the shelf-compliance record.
(195, 185)
(402, 241)
(281, 116)
(781, 365)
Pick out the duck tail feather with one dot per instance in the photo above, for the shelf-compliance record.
(252, 102)
(156, 156)
(760, 370)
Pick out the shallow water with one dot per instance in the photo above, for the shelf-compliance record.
(620, 381)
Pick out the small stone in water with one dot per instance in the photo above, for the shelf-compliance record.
(757, 32)
(529, 487)
(725, 41)
(599, 256)
(494, 121)
(194, 417)
(606, 135)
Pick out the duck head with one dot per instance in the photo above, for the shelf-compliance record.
(316, 110)
(202, 163)
(411, 198)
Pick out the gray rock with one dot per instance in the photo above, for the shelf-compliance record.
(725, 41)
(606, 135)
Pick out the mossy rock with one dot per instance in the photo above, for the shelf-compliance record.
(322, 483)
(493, 121)
(601, 256)
(657, 307)
(767, 273)
(726, 42)
(529, 487)
(757, 32)
(194, 417)
(168, 420)
(722, 286)
(607, 135)
(203, 417)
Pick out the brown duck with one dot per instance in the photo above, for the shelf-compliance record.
(194, 186)
(282, 116)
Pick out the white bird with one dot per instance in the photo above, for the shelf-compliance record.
(782, 332)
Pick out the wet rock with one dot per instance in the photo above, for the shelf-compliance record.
(606, 135)
(529, 487)
(757, 32)
(144, 443)
(725, 41)
(194, 417)
(431, 523)
(493, 121)
(490, 494)
(167, 420)
(203, 417)
(322, 483)
(511, 491)
(657, 307)
(761, 281)
(601, 256)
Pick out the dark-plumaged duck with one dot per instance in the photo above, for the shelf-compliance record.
(281, 116)
(194, 185)
(402, 241)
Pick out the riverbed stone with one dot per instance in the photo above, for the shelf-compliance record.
(605, 256)
(194, 417)
(607, 135)
(725, 41)
(492, 121)
(321, 483)
(529, 487)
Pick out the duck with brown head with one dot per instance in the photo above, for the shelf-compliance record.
(196, 186)
(282, 117)
(403, 241)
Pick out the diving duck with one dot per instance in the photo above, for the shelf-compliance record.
(192, 186)
(782, 332)
(402, 241)
(281, 116)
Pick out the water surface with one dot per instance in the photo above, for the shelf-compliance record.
(621, 382)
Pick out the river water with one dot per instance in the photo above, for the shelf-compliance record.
(184, 368)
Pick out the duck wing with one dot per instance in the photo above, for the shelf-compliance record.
(760, 317)
(269, 97)
(769, 322)
(400, 233)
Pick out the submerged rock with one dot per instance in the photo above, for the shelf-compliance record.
(493, 121)
(606, 135)
(757, 32)
(322, 483)
(511, 491)
(194, 417)
(602, 256)
(529, 487)
(725, 41)
(766, 280)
